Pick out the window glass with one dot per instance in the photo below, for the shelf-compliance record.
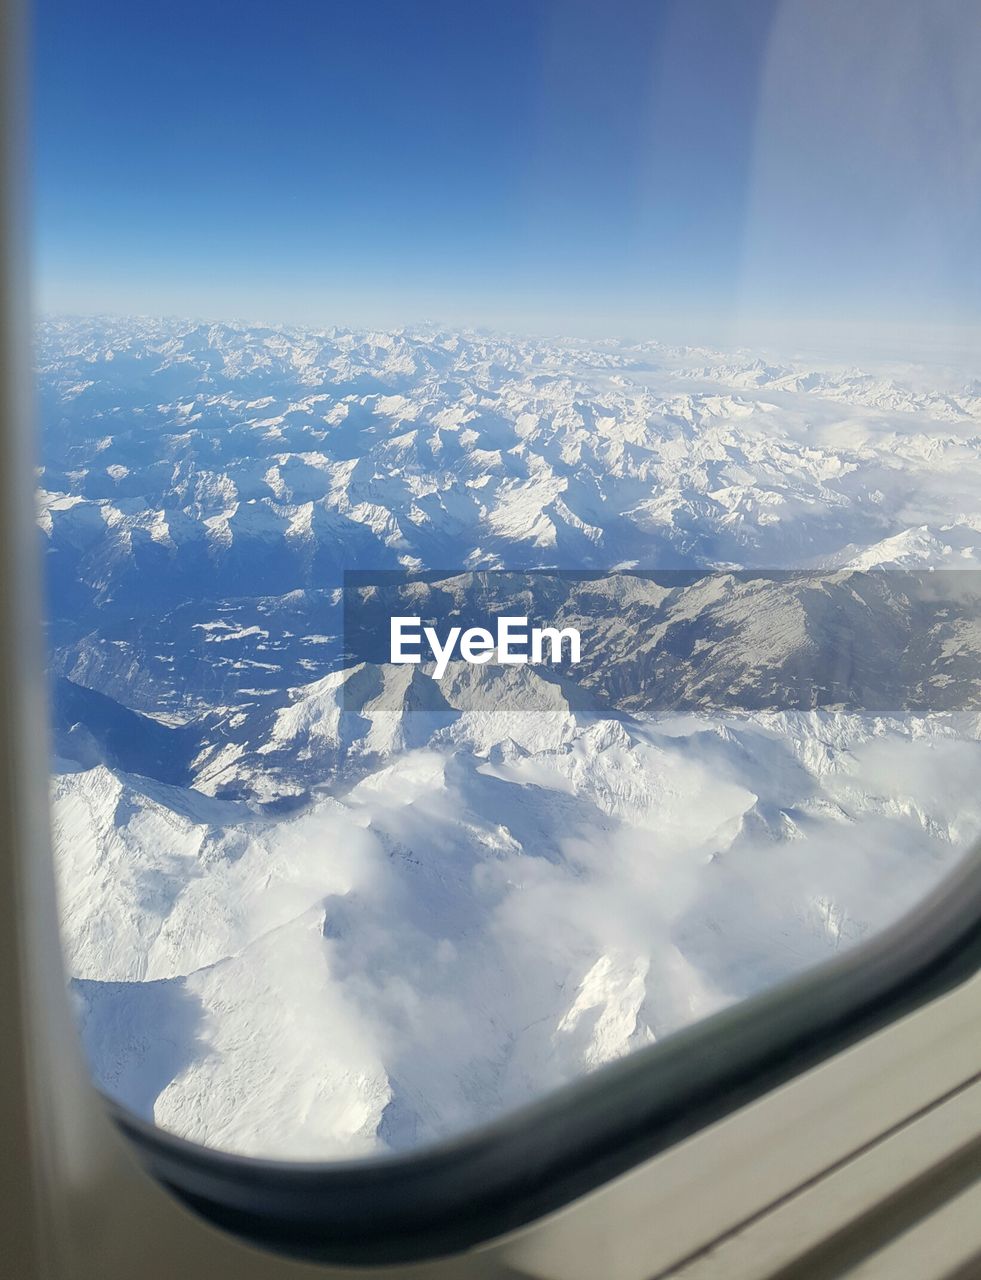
(510, 492)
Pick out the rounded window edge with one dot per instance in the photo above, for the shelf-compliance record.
(538, 1159)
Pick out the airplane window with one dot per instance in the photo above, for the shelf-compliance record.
(509, 479)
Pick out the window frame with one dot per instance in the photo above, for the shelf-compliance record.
(538, 1159)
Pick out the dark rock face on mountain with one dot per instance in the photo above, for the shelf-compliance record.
(91, 728)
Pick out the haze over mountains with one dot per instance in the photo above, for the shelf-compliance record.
(318, 905)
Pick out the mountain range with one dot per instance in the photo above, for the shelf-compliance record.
(315, 904)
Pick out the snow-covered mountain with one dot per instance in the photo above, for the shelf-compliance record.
(316, 904)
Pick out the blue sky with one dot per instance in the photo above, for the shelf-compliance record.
(623, 167)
